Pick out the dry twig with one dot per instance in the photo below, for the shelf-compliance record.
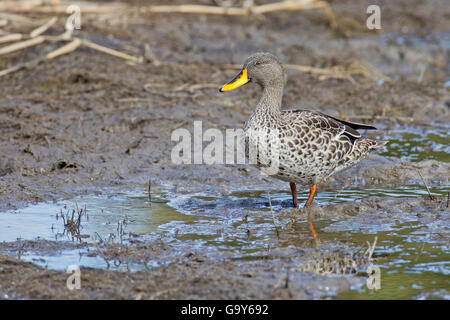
(24, 65)
(426, 186)
(287, 5)
(39, 6)
(68, 48)
(111, 52)
(11, 37)
(273, 217)
(36, 39)
(22, 45)
(40, 30)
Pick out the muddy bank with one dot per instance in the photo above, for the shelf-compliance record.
(195, 278)
(374, 210)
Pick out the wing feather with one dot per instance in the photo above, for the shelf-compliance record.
(332, 124)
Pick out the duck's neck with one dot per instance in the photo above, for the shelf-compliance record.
(270, 102)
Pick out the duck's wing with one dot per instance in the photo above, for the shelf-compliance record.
(328, 123)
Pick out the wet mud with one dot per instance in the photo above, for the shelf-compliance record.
(88, 124)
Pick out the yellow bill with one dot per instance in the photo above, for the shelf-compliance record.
(240, 79)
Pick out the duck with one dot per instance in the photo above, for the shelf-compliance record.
(299, 146)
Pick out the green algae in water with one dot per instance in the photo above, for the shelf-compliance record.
(414, 260)
(409, 269)
(344, 195)
(418, 145)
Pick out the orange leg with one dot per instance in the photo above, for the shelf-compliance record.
(294, 194)
(312, 194)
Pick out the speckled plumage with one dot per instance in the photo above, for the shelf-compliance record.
(308, 146)
(312, 146)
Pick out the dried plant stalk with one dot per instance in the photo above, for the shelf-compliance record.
(30, 6)
(11, 37)
(68, 48)
(25, 65)
(288, 5)
(194, 8)
(38, 31)
(22, 45)
(112, 52)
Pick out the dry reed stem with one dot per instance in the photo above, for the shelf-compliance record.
(196, 86)
(22, 45)
(293, 5)
(273, 217)
(288, 5)
(194, 8)
(12, 69)
(40, 30)
(36, 38)
(29, 6)
(111, 52)
(25, 65)
(11, 17)
(101, 252)
(426, 186)
(68, 48)
(361, 67)
(11, 37)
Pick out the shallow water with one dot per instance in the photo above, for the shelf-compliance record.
(418, 144)
(240, 225)
(215, 224)
(411, 265)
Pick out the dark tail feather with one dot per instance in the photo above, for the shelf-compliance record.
(353, 125)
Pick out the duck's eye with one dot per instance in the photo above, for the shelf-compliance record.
(258, 63)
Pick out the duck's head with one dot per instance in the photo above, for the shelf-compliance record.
(262, 68)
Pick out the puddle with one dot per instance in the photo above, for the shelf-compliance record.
(103, 214)
(411, 264)
(111, 219)
(238, 226)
